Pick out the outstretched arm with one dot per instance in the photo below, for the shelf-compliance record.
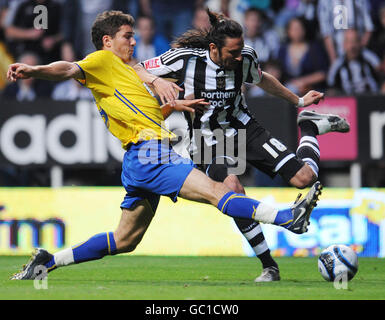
(184, 105)
(271, 85)
(56, 71)
(167, 90)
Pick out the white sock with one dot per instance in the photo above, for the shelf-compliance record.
(64, 257)
(265, 213)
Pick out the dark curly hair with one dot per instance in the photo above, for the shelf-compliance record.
(221, 28)
(109, 23)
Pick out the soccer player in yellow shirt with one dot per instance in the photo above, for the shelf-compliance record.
(150, 166)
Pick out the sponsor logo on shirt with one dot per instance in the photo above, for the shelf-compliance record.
(152, 63)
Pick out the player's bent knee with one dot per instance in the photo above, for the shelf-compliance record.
(303, 178)
(234, 184)
(129, 248)
(127, 242)
(126, 245)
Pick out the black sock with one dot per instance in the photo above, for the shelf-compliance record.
(308, 149)
(308, 128)
(267, 260)
(252, 231)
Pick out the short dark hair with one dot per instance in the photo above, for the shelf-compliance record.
(109, 23)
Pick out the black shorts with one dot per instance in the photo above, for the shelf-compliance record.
(262, 151)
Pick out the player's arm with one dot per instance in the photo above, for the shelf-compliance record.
(167, 90)
(272, 85)
(184, 105)
(56, 71)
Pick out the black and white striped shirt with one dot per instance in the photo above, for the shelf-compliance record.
(355, 76)
(200, 77)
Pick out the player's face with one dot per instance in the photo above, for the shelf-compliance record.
(230, 55)
(123, 43)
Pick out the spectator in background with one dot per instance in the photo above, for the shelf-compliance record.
(27, 89)
(23, 36)
(201, 19)
(70, 90)
(243, 5)
(77, 19)
(172, 17)
(3, 11)
(149, 44)
(257, 35)
(235, 9)
(5, 57)
(336, 16)
(285, 12)
(377, 44)
(307, 9)
(356, 71)
(304, 63)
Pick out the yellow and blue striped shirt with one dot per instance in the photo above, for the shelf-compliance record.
(129, 108)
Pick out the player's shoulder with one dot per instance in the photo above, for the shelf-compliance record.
(99, 55)
(249, 52)
(182, 53)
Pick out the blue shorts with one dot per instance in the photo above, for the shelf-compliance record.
(151, 169)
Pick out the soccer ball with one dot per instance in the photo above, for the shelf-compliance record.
(338, 262)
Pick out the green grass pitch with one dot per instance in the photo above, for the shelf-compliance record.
(191, 278)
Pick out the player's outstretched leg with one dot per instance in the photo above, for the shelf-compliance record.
(295, 219)
(199, 187)
(94, 248)
(133, 224)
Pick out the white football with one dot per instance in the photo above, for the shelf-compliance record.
(337, 261)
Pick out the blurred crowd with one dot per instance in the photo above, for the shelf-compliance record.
(337, 46)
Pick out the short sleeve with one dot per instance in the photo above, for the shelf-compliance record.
(96, 68)
(165, 65)
(252, 72)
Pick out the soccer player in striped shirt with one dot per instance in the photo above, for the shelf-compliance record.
(132, 114)
(213, 64)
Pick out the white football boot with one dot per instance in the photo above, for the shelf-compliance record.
(324, 122)
(268, 275)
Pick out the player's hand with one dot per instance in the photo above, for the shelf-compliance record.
(191, 105)
(167, 91)
(19, 71)
(312, 97)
